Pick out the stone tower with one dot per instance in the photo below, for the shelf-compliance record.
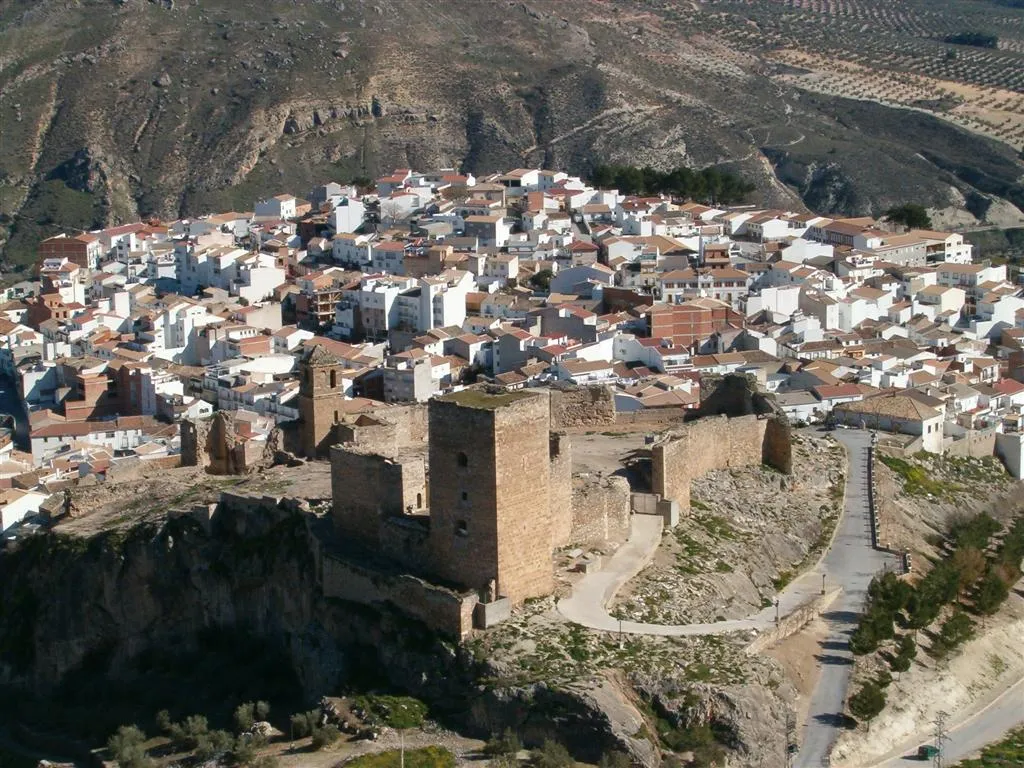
(321, 398)
(490, 519)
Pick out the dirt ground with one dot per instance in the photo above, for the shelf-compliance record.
(797, 655)
(149, 495)
(605, 453)
(299, 755)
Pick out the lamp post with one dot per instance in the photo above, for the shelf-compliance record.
(823, 583)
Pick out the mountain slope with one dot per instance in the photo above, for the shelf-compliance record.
(113, 110)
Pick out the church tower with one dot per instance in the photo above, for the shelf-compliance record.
(321, 395)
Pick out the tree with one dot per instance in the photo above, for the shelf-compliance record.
(969, 563)
(955, 631)
(992, 591)
(304, 723)
(906, 647)
(506, 744)
(262, 710)
(542, 279)
(868, 702)
(126, 746)
(244, 750)
(615, 759)
(900, 664)
(883, 679)
(324, 737)
(551, 754)
(214, 744)
(909, 214)
(244, 716)
(163, 721)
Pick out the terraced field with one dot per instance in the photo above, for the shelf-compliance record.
(892, 53)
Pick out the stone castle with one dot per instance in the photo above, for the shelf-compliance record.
(452, 511)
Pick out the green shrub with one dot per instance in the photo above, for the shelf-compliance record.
(126, 746)
(505, 744)
(393, 711)
(214, 744)
(427, 757)
(615, 759)
(163, 721)
(324, 737)
(244, 716)
(551, 754)
(303, 723)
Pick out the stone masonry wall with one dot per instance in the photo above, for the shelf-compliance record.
(367, 487)
(489, 502)
(600, 510)
(576, 406)
(560, 491)
(714, 442)
(443, 610)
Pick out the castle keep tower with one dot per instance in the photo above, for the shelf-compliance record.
(321, 397)
(490, 518)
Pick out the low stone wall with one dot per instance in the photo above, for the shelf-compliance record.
(600, 510)
(976, 444)
(793, 623)
(441, 609)
(576, 406)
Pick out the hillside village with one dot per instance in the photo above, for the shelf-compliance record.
(426, 282)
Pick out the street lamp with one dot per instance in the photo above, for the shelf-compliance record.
(823, 583)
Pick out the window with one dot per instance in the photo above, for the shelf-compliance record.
(334, 379)
(461, 528)
(465, 496)
(463, 459)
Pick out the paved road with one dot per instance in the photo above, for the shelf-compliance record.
(851, 562)
(967, 739)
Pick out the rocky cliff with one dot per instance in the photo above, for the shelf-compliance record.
(116, 109)
(134, 614)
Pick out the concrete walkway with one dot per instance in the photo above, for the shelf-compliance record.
(849, 564)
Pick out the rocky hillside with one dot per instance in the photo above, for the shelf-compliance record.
(116, 108)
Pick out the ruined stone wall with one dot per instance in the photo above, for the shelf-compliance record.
(600, 510)
(576, 406)
(368, 434)
(560, 490)
(366, 487)
(213, 444)
(715, 442)
(441, 609)
(193, 442)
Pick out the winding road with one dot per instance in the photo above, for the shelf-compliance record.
(850, 563)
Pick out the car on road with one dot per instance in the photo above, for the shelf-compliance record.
(927, 752)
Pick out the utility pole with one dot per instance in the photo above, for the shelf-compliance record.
(941, 737)
(790, 739)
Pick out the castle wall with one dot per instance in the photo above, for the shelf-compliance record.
(366, 487)
(442, 610)
(585, 406)
(710, 443)
(600, 510)
(560, 491)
